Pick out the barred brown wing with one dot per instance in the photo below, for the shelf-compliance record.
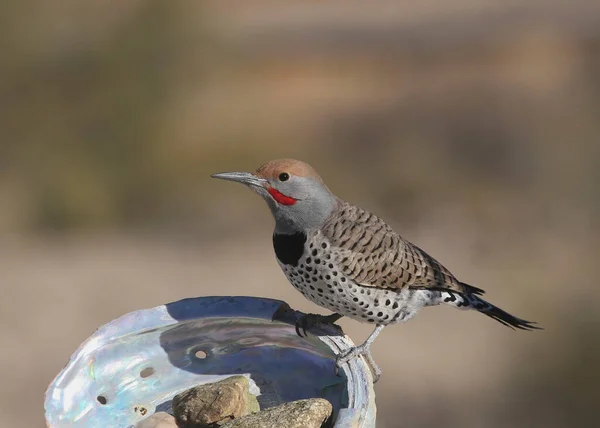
(370, 253)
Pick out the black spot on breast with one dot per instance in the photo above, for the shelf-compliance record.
(289, 248)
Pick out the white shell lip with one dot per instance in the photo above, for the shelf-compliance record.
(134, 365)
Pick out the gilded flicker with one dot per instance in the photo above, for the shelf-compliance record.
(351, 262)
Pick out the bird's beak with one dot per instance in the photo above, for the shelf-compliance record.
(241, 177)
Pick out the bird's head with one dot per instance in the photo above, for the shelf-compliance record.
(295, 193)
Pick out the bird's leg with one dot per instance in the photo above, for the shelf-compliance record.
(307, 321)
(364, 349)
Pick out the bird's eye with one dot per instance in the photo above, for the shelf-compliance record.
(284, 176)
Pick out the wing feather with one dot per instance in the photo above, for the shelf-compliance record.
(367, 251)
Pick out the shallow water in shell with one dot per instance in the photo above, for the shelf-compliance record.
(134, 366)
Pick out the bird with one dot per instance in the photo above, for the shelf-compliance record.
(351, 262)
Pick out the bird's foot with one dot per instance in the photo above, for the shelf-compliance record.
(307, 321)
(356, 352)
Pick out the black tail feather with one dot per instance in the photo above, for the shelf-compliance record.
(473, 301)
(503, 317)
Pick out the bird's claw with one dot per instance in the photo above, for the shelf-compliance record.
(355, 352)
(307, 321)
(302, 323)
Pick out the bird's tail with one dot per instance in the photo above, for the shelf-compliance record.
(472, 301)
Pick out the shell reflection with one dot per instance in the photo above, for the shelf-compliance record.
(133, 366)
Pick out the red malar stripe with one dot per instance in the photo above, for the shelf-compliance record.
(280, 197)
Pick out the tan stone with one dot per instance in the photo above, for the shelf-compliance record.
(310, 413)
(215, 403)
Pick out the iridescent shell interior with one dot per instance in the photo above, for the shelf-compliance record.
(133, 366)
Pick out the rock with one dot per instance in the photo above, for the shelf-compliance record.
(214, 403)
(158, 420)
(311, 413)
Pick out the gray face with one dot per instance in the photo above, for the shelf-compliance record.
(297, 203)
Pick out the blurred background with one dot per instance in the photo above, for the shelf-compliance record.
(471, 126)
